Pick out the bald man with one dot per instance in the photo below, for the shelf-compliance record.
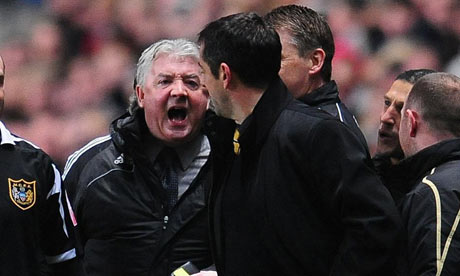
(33, 236)
(430, 139)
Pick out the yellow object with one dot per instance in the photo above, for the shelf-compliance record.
(180, 272)
(236, 144)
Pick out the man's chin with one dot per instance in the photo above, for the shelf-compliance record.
(397, 153)
(390, 151)
(176, 138)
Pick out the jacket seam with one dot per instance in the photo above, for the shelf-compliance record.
(106, 173)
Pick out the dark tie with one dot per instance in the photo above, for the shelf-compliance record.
(170, 180)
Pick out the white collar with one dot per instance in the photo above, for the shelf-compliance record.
(6, 137)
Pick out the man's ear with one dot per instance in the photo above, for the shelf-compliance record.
(140, 96)
(225, 74)
(317, 60)
(413, 118)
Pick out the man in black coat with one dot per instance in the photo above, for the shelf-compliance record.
(306, 61)
(430, 138)
(388, 152)
(138, 196)
(295, 193)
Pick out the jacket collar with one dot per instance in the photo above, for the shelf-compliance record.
(267, 110)
(130, 134)
(326, 94)
(416, 166)
(6, 136)
(128, 131)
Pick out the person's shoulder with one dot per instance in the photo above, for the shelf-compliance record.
(305, 110)
(301, 122)
(445, 176)
(28, 149)
(77, 161)
(302, 115)
(440, 183)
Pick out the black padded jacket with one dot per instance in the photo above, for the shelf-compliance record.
(117, 203)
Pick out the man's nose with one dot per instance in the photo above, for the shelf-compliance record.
(179, 89)
(388, 116)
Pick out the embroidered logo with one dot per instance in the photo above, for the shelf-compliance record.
(22, 193)
(119, 160)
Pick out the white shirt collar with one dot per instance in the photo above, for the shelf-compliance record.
(6, 137)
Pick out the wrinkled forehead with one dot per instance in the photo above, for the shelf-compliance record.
(175, 65)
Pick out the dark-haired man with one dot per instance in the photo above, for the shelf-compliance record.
(294, 194)
(430, 138)
(388, 146)
(306, 61)
(388, 151)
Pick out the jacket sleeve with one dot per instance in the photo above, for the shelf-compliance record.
(73, 191)
(419, 212)
(72, 197)
(56, 242)
(350, 188)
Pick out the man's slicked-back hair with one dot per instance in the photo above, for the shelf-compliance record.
(176, 47)
(411, 76)
(309, 31)
(243, 41)
(437, 95)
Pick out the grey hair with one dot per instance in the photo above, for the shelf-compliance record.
(178, 47)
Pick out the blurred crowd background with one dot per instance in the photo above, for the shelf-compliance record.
(70, 63)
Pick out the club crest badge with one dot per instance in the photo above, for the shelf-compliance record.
(22, 193)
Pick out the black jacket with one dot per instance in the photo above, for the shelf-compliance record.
(117, 201)
(300, 199)
(327, 98)
(431, 181)
(32, 229)
(391, 176)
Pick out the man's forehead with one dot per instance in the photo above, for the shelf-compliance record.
(174, 58)
(399, 90)
(171, 66)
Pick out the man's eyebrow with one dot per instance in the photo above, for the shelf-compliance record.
(190, 76)
(163, 75)
(186, 76)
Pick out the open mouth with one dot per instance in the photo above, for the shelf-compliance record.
(384, 134)
(176, 114)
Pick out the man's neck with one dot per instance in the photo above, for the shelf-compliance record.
(314, 84)
(244, 102)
